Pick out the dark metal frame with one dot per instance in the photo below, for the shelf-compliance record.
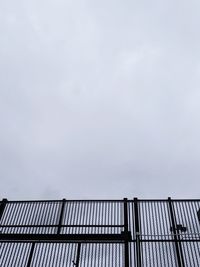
(145, 228)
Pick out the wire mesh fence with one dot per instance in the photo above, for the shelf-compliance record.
(100, 233)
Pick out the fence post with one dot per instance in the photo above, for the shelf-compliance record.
(137, 233)
(31, 255)
(77, 255)
(2, 207)
(61, 216)
(173, 228)
(126, 232)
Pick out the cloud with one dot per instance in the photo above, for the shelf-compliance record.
(99, 100)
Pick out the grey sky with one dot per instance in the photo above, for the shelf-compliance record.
(99, 99)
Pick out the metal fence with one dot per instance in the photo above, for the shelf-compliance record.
(113, 233)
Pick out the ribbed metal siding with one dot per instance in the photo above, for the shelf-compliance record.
(154, 220)
(29, 217)
(186, 215)
(157, 243)
(98, 217)
(62, 255)
(14, 254)
(157, 254)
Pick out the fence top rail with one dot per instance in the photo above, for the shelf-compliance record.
(99, 200)
(65, 242)
(63, 225)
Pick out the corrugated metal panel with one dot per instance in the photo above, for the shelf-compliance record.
(139, 233)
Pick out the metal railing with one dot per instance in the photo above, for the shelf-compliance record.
(100, 233)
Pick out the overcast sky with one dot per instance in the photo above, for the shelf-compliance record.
(99, 99)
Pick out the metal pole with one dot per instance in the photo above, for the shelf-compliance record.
(126, 233)
(180, 248)
(173, 222)
(61, 216)
(2, 206)
(77, 256)
(31, 255)
(137, 232)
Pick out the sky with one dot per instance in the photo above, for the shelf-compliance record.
(99, 99)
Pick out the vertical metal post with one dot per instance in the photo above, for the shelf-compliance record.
(31, 255)
(173, 222)
(78, 254)
(2, 207)
(76, 263)
(61, 216)
(126, 233)
(137, 233)
(180, 248)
